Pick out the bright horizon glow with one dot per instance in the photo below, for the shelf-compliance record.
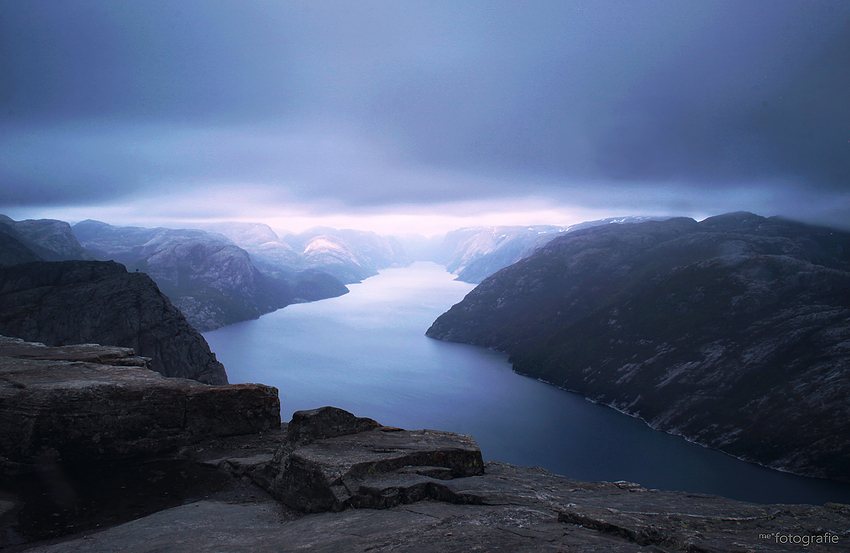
(387, 224)
(409, 219)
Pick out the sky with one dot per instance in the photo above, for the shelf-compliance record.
(423, 115)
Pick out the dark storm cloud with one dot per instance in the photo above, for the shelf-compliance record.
(153, 59)
(655, 103)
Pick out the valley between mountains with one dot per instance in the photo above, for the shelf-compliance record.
(732, 332)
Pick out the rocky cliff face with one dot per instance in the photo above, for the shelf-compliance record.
(91, 439)
(74, 302)
(95, 404)
(390, 489)
(732, 332)
(211, 280)
(89, 435)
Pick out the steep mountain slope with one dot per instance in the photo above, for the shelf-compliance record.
(50, 239)
(275, 257)
(475, 253)
(349, 255)
(77, 302)
(12, 249)
(211, 280)
(732, 332)
(268, 252)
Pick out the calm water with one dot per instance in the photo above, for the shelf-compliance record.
(366, 352)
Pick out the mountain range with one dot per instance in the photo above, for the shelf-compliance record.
(474, 253)
(348, 255)
(211, 280)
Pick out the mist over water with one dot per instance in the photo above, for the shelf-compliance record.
(366, 352)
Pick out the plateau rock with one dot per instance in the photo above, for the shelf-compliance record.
(732, 332)
(496, 507)
(74, 302)
(94, 404)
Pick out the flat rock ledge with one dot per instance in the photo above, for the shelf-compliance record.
(326, 482)
(332, 460)
(89, 403)
(518, 509)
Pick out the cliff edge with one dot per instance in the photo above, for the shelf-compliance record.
(226, 479)
(77, 302)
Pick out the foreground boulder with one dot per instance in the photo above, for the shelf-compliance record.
(98, 404)
(333, 460)
(77, 302)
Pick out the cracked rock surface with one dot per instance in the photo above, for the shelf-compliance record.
(517, 509)
(333, 482)
(94, 403)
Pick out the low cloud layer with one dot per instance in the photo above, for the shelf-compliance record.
(380, 107)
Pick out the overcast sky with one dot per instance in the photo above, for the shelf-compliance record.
(423, 115)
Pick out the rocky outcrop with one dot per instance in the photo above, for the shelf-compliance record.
(95, 404)
(332, 460)
(498, 508)
(732, 332)
(73, 302)
(522, 509)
